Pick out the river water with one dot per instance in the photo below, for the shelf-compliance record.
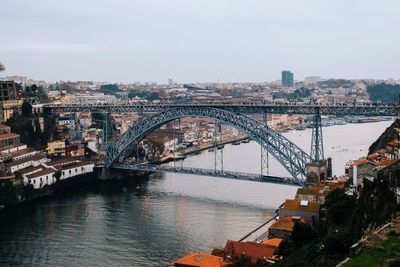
(169, 216)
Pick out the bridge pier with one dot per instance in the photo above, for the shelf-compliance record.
(264, 152)
(317, 145)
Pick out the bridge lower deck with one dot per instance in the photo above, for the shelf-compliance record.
(208, 172)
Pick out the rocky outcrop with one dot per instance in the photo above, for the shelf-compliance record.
(388, 135)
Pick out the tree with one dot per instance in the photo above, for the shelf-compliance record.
(156, 147)
(26, 109)
(2, 68)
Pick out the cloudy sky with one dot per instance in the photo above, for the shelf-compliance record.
(198, 41)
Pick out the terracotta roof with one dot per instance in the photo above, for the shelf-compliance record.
(313, 191)
(386, 162)
(285, 224)
(199, 259)
(11, 146)
(60, 162)
(74, 165)
(360, 162)
(273, 242)
(2, 126)
(22, 152)
(373, 156)
(21, 161)
(8, 135)
(393, 143)
(252, 250)
(30, 169)
(40, 173)
(294, 204)
(381, 151)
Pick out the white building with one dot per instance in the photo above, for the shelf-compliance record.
(75, 169)
(41, 178)
(34, 161)
(13, 148)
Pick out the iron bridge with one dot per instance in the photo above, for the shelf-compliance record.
(208, 172)
(245, 108)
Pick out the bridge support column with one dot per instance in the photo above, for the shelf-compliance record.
(218, 149)
(317, 145)
(264, 152)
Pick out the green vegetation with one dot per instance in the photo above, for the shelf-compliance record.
(386, 253)
(109, 89)
(385, 93)
(347, 220)
(2, 68)
(28, 127)
(297, 95)
(336, 83)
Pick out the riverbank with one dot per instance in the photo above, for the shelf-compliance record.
(23, 194)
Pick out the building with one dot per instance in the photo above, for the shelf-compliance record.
(8, 90)
(316, 193)
(251, 250)
(56, 148)
(5, 129)
(8, 139)
(74, 169)
(11, 107)
(282, 227)
(13, 148)
(308, 210)
(317, 172)
(273, 242)
(34, 161)
(41, 178)
(198, 259)
(287, 78)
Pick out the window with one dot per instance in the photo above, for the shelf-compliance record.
(69, 171)
(47, 177)
(76, 170)
(34, 181)
(41, 180)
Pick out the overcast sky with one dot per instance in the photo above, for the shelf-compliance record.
(198, 41)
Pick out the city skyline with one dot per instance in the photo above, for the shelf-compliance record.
(228, 41)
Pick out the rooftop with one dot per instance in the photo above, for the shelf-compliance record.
(8, 135)
(11, 146)
(199, 259)
(252, 250)
(40, 173)
(285, 224)
(30, 169)
(273, 242)
(293, 204)
(32, 158)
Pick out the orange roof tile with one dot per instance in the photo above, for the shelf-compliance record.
(360, 162)
(373, 156)
(386, 162)
(294, 204)
(381, 151)
(252, 250)
(273, 242)
(393, 143)
(8, 135)
(199, 259)
(285, 224)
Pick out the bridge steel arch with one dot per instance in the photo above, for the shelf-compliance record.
(293, 158)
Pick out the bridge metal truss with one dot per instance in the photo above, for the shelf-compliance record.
(208, 172)
(252, 108)
(293, 158)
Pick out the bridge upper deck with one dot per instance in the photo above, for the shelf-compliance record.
(245, 108)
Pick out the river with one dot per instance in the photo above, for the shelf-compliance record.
(169, 216)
